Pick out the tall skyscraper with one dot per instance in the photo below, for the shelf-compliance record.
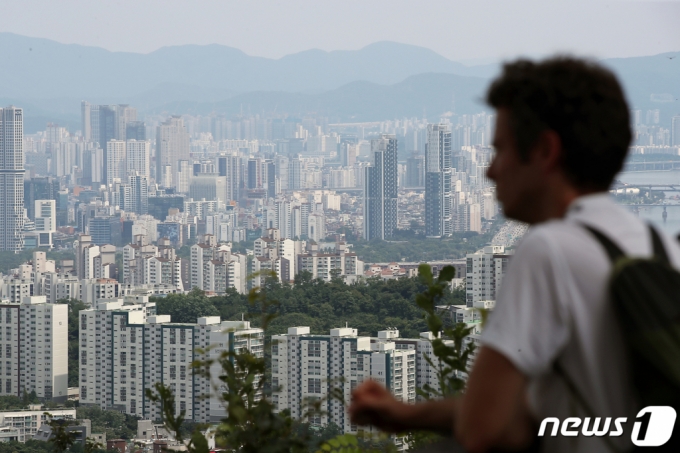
(116, 165)
(138, 157)
(415, 171)
(86, 116)
(135, 130)
(137, 199)
(380, 190)
(39, 189)
(294, 173)
(11, 179)
(230, 166)
(438, 199)
(103, 123)
(172, 145)
(675, 130)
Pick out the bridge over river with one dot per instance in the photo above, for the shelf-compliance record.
(652, 166)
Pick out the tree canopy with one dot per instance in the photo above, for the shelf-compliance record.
(368, 306)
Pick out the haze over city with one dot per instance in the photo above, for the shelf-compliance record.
(172, 172)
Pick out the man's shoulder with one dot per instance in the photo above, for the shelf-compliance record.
(545, 236)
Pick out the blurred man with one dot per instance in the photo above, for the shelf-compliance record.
(562, 134)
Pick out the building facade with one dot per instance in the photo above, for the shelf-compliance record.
(484, 273)
(34, 348)
(438, 178)
(11, 179)
(126, 348)
(380, 190)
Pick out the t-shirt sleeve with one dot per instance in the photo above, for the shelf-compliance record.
(529, 324)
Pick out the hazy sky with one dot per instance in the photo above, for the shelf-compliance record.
(460, 30)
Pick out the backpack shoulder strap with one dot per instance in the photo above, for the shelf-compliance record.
(613, 251)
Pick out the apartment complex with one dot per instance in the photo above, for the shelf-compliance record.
(26, 423)
(326, 264)
(126, 348)
(310, 368)
(214, 268)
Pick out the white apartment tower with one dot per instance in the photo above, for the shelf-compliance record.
(306, 368)
(34, 348)
(484, 273)
(116, 164)
(11, 179)
(325, 264)
(45, 221)
(214, 268)
(126, 349)
(675, 130)
(172, 145)
(138, 154)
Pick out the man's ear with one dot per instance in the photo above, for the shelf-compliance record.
(548, 150)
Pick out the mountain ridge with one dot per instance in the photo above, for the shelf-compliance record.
(371, 83)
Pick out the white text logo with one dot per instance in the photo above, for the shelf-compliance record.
(653, 426)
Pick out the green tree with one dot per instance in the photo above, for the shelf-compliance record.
(186, 308)
(115, 424)
(92, 446)
(61, 438)
(251, 424)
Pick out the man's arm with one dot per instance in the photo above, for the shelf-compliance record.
(373, 404)
(492, 412)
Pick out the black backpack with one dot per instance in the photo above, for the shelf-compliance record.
(646, 297)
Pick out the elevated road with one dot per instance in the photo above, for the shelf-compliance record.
(652, 166)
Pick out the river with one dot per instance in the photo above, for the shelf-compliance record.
(654, 214)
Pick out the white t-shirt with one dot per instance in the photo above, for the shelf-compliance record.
(554, 304)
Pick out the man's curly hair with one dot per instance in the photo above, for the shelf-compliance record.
(578, 99)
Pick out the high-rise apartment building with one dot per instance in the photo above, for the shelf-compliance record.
(85, 118)
(39, 189)
(327, 264)
(278, 254)
(172, 145)
(125, 348)
(135, 130)
(484, 273)
(294, 173)
(116, 163)
(11, 179)
(380, 190)
(438, 195)
(29, 361)
(415, 172)
(675, 130)
(215, 268)
(137, 157)
(308, 368)
(135, 194)
(208, 186)
(230, 166)
(45, 222)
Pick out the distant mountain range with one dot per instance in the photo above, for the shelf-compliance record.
(382, 80)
